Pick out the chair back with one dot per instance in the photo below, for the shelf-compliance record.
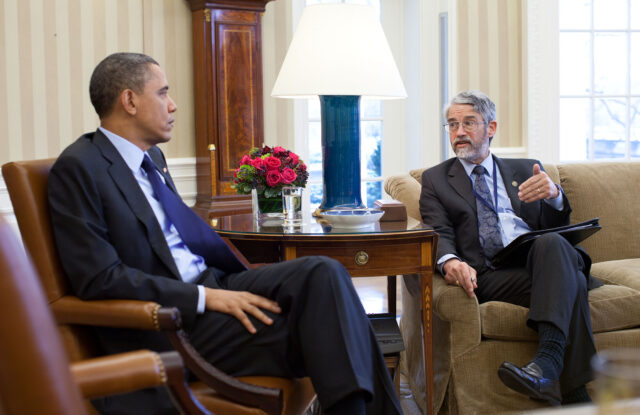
(27, 186)
(34, 374)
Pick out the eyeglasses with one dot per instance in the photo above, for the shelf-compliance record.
(467, 125)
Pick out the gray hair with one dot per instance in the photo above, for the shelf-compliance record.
(480, 102)
(116, 73)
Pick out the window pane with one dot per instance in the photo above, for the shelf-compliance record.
(314, 164)
(370, 148)
(634, 120)
(635, 63)
(370, 108)
(313, 109)
(575, 124)
(610, 63)
(374, 192)
(315, 195)
(575, 14)
(609, 14)
(635, 14)
(609, 131)
(575, 63)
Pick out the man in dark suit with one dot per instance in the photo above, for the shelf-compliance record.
(113, 208)
(478, 203)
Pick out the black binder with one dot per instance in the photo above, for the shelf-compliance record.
(516, 252)
(387, 333)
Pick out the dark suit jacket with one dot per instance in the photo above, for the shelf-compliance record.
(109, 240)
(448, 204)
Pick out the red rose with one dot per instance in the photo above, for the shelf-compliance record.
(294, 158)
(245, 160)
(288, 175)
(272, 163)
(273, 178)
(279, 150)
(257, 163)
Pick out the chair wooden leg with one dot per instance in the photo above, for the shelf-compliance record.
(391, 294)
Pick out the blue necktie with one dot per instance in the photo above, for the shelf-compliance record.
(488, 229)
(195, 233)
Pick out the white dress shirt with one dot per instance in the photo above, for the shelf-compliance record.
(189, 264)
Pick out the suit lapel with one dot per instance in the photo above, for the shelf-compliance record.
(459, 180)
(128, 185)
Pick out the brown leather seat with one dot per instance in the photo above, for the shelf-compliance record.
(27, 185)
(35, 375)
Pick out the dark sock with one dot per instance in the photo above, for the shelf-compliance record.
(550, 355)
(578, 395)
(351, 405)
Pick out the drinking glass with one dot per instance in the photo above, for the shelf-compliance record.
(292, 205)
(617, 377)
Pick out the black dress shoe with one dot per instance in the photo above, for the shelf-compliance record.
(529, 381)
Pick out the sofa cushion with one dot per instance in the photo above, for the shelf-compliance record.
(613, 307)
(621, 272)
(605, 190)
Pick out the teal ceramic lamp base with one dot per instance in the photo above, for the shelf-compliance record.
(340, 122)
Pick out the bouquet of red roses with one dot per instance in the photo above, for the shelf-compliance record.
(268, 170)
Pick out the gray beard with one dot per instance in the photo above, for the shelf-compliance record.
(472, 153)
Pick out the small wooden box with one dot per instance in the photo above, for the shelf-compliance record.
(393, 209)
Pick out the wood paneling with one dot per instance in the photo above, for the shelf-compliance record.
(228, 96)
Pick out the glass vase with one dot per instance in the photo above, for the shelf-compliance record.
(266, 207)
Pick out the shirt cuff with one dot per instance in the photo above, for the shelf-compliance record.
(557, 203)
(442, 260)
(201, 296)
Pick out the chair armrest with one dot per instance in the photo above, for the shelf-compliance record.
(130, 314)
(406, 189)
(143, 315)
(454, 306)
(128, 372)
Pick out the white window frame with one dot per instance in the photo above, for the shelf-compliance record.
(543, 89)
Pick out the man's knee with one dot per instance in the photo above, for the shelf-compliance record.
(324, 269)
(550, 246)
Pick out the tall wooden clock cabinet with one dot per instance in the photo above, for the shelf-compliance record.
(227, 66)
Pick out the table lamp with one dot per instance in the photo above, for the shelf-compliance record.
(339, 53)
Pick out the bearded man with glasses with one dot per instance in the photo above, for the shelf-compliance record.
(478, 203)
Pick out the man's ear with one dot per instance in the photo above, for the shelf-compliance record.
(128, 101)
(492, 128)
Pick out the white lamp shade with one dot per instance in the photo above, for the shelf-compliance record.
(339, 49)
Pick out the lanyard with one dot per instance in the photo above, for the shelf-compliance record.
(495, 192)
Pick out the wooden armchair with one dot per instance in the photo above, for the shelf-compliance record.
(27, 185)
(35, 375)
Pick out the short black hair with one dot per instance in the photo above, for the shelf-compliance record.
(116, 73)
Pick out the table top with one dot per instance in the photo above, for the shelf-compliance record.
(247, 224)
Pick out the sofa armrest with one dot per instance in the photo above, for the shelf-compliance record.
(451, 304)
(406, 189)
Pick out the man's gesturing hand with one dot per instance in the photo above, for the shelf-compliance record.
(537, 187)
(238, 304)
(460, 273)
